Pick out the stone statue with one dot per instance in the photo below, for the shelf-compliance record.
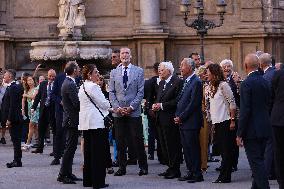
(71, 19)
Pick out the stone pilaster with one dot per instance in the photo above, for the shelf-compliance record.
(150, 17)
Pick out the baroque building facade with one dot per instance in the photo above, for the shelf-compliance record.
(153, 29)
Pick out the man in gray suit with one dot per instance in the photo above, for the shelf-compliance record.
(126, 91)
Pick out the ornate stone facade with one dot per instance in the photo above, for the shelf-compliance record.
(153, 29)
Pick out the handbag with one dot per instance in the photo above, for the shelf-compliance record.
(108, 122)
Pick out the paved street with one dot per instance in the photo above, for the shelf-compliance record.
(36, 173)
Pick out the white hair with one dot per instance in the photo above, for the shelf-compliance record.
(190, 62)
(169, 66)
(226, 62)
(265, 59)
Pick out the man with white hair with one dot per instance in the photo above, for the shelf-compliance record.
(165, 106)
(189, 117)
(269, 71)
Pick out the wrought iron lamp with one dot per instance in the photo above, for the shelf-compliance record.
(200, 24)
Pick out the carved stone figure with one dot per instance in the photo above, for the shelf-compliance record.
(71, 19)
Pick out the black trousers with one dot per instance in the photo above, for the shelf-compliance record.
(152, 137)
(278, 133)
(169, 137)
(130, 128)
(95, 157)
(235, 148)
(269, 158)
(255, 149)
(60, 136)
(46, 118)
(71, 146)
(16, 136)
(225, 143)
(191, 150)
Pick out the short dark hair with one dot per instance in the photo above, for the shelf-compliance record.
(156, 66)
(87, 69)
(12, 72)
(70, 67)
(194, 53)
(116, 51)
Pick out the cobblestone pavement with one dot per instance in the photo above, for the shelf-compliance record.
(36, 173)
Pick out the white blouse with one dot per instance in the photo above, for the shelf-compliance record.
(89, 116)
(221, 103)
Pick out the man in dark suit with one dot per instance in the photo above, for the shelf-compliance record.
(126, 91)
(266, 65)
(189, 118)
(277, 121)
(71, 106)
(46, 111)
(60, 138)
(11, 114)
(150, 95)
(165, 106)
(254, 122)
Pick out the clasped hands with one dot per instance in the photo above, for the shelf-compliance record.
(156, 107)
(124, 111)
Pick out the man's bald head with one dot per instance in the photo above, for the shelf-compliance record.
(251, 63)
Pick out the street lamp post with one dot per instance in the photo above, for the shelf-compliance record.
(200, 24)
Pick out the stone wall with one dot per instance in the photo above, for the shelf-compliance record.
(153, 29)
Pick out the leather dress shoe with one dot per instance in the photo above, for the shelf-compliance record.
(120, 172)
(110, 170)
(221, 181)
(65, 179)
(131, 162)
(143, 172)
(196, 179)
(3, 141)
(55, 162)
(186, 177)
(164, 173)
(37, 151)
(14, 164)
(74, 178)
(51, 154)
(172, 175)
(103, 186)
(218, 169)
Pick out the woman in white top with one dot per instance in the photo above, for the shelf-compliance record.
(91, 122)
(222, 111)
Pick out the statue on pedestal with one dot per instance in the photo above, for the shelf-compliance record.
(71, 19)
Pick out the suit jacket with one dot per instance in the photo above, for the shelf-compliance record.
(189, 107)
(71, 104)
(254, 120)
(12, 104)
(150, 92)
(268, 75)
(132, 95)
(41, 98)
(168, 98)
(56, 92)
(234, 89)
(277, 114)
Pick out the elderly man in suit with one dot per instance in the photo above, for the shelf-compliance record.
(71, 107)
(126, 91)
(11, 114)
(46, 112)
(265, 61)
(277, 121)
(165, 108)
(189, 118)
(254, 122)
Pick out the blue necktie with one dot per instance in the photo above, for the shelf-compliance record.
(47, 101)
(125, 78)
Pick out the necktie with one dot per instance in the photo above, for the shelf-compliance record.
(47, 101)
(184, 85)
(125, 78)
(162, 84)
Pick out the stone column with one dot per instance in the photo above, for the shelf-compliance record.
(150, 16)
